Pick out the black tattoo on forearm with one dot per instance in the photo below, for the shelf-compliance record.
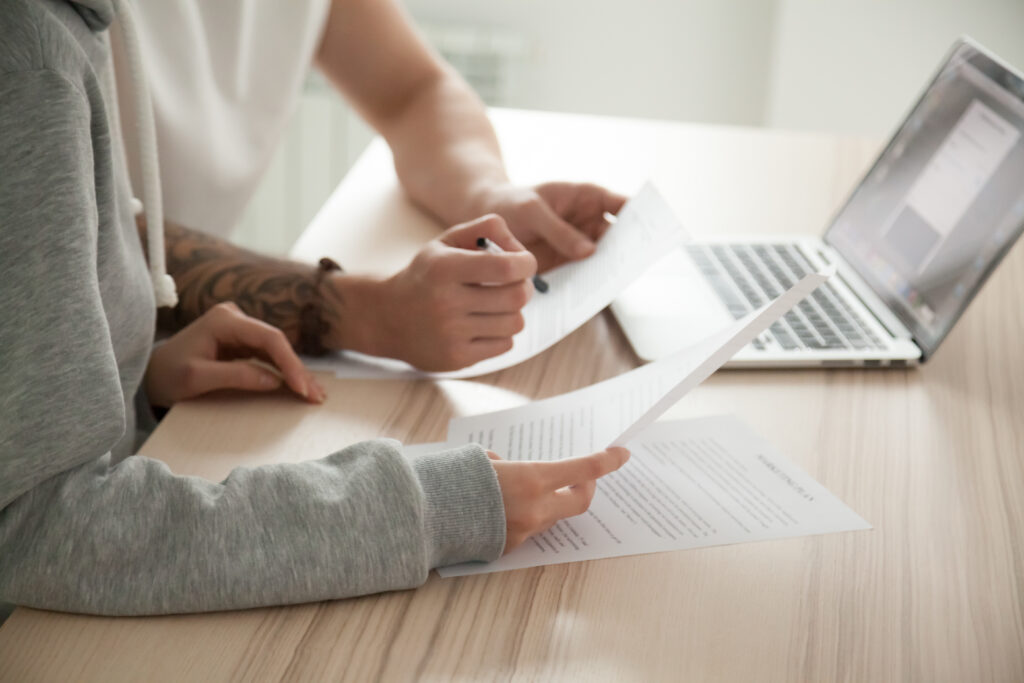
(208, 271)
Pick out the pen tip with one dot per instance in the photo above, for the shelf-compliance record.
(481, 242)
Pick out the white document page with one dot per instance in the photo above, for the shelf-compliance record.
(644, 231)
(615, 410)
(689, 484)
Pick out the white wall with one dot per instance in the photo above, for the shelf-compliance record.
(705, 60)
(323, 140)
(835, 65)
(698, 60)
(858, 65)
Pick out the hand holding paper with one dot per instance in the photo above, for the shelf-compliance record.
(689, 484)
(614, 411)
(644, 231)
(538, 495)
(725, 345)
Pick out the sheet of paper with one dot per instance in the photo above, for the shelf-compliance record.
(645, 231)
(689, 484)
(614, 411)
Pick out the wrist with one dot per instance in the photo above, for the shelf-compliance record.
(152, 381)
(463, 506)
(483, 196)
(354, 310)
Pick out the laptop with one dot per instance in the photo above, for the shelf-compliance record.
(913, 244)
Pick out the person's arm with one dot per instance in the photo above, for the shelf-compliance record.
(446, 153)
(82, 530)
(434, 313)
(208, 270)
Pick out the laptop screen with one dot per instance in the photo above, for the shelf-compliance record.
(945, 200)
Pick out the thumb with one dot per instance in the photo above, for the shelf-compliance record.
(236, 374)
(563, 237)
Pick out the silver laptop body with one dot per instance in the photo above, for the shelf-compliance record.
(913, 244)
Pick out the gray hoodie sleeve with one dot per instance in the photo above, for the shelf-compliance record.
(82, 530)
(135, 539)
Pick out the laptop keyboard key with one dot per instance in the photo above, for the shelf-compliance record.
(784, 338)
(745, 277)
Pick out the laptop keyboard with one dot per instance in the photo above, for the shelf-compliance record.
(747, 276)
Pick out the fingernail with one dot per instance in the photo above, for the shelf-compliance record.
(267, 380)
(583, 249)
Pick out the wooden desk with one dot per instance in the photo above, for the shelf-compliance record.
(932, 457)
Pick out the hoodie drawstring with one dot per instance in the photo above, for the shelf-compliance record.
(163, 284)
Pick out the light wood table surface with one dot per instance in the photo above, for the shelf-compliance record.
(932, 457)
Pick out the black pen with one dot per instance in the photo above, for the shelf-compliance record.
(490, 247)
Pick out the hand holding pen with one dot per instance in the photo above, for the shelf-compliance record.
(539, 283)
(490, 247)
(455, 304)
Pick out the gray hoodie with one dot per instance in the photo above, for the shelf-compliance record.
(85, 525)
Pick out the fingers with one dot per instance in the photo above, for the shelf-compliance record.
(498, 298)
(474, 265)
(491, 226)
(481, 349)
(579, 470)
(203, 376)
(611, 204)
(317, 394)
(582, 206)
(538, 494)
(212, 375)
(612, 201)
(495, 325)
(491, 335)
(477, 267)
(233, 327)
(566, 239)
(573, 500)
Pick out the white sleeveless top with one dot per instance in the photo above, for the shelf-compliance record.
(225, 75)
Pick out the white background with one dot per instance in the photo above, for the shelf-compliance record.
(852, 66)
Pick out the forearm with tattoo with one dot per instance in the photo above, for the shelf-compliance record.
(208, 270)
